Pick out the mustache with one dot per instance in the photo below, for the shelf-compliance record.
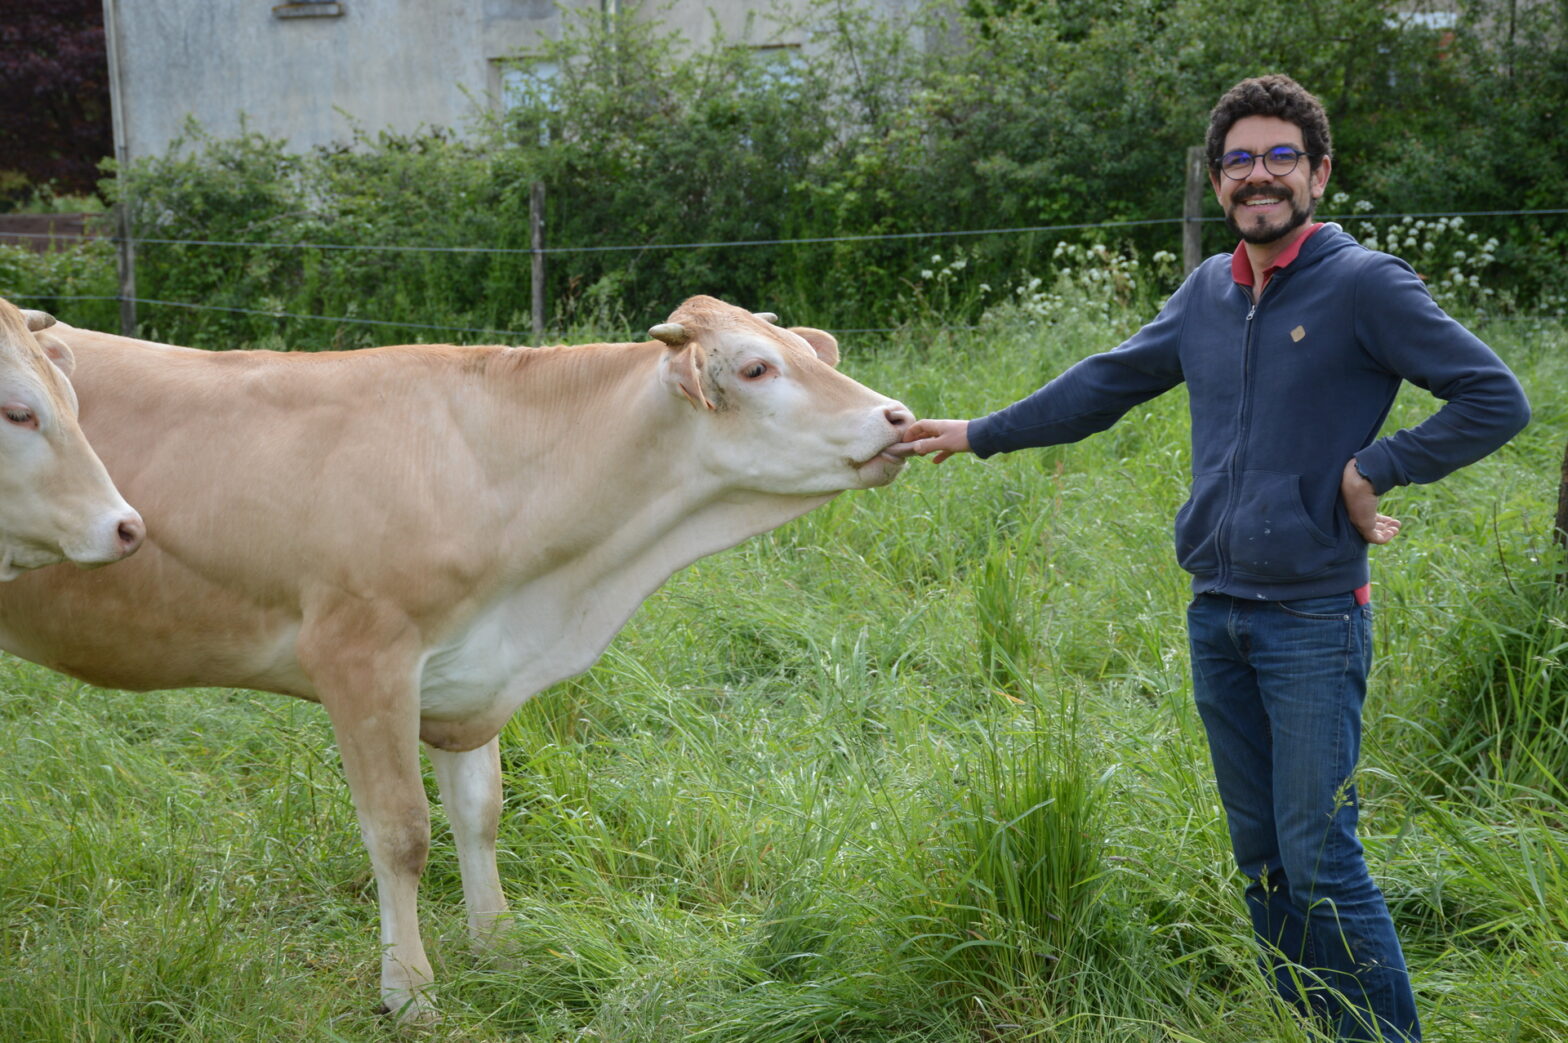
(1260, 192)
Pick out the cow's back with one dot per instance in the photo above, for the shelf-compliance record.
(260, 475)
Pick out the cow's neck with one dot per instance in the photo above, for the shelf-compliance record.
(600, 541)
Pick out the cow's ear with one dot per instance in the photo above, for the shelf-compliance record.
(57, 351)
(681, 370)
(37, 320)
(821, 341)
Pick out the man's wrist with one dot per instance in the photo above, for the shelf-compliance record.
(1355, 462)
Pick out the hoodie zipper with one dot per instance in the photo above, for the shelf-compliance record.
(1243, 426)
(1243, 422)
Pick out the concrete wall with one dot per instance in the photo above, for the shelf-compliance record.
(310, 72)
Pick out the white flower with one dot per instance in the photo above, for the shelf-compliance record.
(1363, 205)
(925, 273)
(936, 258)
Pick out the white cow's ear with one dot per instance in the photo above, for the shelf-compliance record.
(681, 370)
(37, 320)
(57, 351)
(821, 341)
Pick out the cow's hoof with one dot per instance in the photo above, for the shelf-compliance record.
(410, 1010)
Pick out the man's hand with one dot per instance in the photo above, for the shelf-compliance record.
(1361, 505)
(942, 437)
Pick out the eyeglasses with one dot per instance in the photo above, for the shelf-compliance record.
(1279, 161)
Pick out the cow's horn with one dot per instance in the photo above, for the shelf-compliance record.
(767, 317)
(672, 333)
(37, 320)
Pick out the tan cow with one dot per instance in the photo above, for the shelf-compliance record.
(420, 538)
(56, 500)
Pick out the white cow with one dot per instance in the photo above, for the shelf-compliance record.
(420, 538)
(56, 500)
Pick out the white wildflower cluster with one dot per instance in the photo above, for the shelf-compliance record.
(1093, 280)
(1451, 260)
(938, 291)
(946, 272)
(1339, 199)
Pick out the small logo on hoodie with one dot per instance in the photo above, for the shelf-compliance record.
(1298, 334)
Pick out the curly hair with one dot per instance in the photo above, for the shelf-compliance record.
(1275, 95)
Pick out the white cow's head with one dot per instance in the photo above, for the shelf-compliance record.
(56, 500)
(781, 418)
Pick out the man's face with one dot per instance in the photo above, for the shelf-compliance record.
(1263, 207)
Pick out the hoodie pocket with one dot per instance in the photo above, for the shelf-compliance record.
(1197, 524)
(1271, 536)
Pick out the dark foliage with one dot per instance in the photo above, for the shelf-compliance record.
(55, 125)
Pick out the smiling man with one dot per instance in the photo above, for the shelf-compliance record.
(1292, 348)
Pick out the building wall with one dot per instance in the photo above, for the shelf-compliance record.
(310, 73)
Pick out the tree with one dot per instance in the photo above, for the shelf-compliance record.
(54, 98)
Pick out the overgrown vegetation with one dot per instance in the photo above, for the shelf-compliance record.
(995, 114)
(921, 766)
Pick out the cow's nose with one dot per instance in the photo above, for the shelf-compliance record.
(899, 416)
(130, 533)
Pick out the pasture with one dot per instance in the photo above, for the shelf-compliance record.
(921, 766)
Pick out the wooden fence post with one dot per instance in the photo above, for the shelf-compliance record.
(1192, 209)
(536, 227)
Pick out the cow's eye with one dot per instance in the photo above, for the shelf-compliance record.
(21, 416)
(755, 370)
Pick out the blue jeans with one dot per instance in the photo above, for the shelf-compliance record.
(1279, 685)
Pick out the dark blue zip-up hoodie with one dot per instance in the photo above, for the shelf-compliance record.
(1282, 394)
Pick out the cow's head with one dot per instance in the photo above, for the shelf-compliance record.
(781, 418)
(56, 500)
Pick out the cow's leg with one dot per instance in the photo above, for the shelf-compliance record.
(369, 691)
(471, 794)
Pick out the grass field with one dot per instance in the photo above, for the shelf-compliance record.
(921, 766)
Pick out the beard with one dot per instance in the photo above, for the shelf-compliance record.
(1268, 233)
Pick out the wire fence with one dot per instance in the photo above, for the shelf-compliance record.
(547, 251)
(725, 243)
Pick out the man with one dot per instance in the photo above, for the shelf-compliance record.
(1292, 349)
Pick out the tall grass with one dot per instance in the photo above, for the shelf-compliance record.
(921, 766)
